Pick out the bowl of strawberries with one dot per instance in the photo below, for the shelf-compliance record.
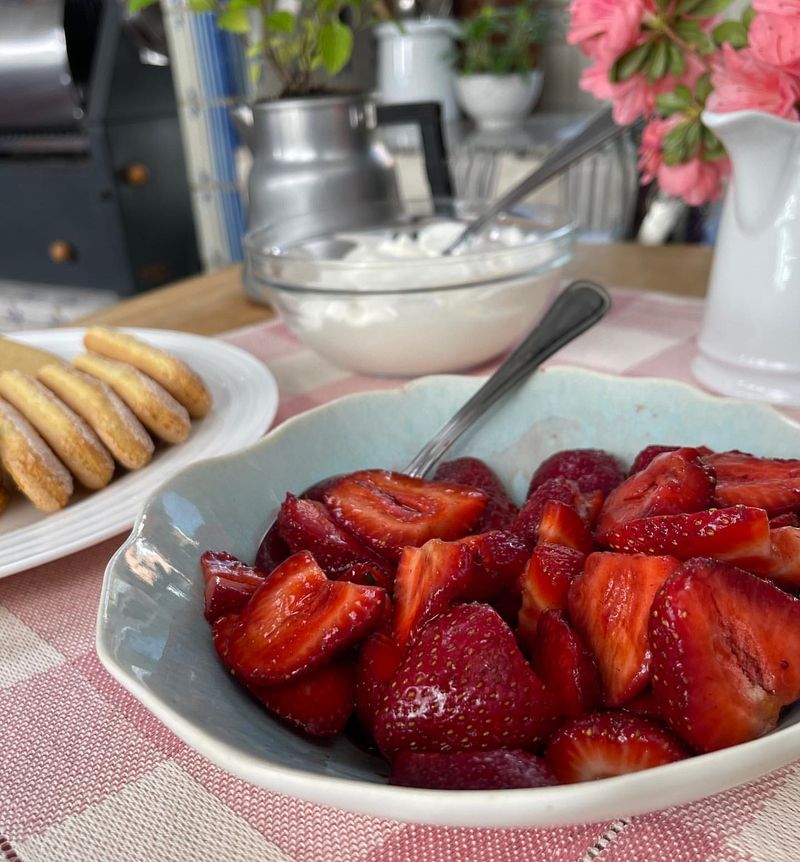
(588, 612)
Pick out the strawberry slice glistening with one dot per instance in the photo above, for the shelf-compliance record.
(609, 605)
(389, 511)
(671, 484)
(297, 620)
(726, 653)
(768, 483)
(605, 744)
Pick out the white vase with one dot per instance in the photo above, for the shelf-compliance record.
(749, 345)
(414, 63)
(499, 101)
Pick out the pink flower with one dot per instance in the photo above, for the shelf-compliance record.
(607, 28)
(651, 155)
(696, 181)
(775, 40)
(777, 7)
(742, 82)
(636, 96)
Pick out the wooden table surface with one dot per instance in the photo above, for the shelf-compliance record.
(214, 303)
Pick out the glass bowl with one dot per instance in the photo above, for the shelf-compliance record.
(374, 297)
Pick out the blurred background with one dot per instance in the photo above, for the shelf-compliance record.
(122, 165)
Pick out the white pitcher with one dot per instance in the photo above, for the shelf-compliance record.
(750, 341)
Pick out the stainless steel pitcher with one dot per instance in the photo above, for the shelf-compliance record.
(318, 157)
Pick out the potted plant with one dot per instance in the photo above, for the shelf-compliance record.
(497, 83)
(313, 151)
(720, 99)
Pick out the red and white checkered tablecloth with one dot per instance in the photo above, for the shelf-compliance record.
(89, 775)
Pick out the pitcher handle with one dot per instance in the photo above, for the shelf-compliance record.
(428, 116)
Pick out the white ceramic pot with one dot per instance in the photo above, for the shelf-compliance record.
(749, 344)
(414, 63)
(499, 101)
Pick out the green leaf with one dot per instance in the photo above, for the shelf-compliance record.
(663, 5)
(234, 20)
(747, 16)
(702, 8)
(712, 146)
(675, 145)
(694, 135)
(703, 88)
(280, 22)
(631, 62)
(732, 32)
(335, 45)
(677, 62)
(710, 8)
(672, 103)
(202, 5)
(137, 5)
(658, 61)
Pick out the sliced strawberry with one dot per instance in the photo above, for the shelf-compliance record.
(782, 565)
(673, 483)
(297, 620)
(558, 490)
(318, 703)
(565, 666)
(500, 509)
(427, 579)
(498, 558)
(647, 454)
(229, 583)
(463, 686)
(470, 770)
(645, 704)
(609, 605)
(272, 550)
(609, 743)
(726, 653)
(592, 469)
(562, 525)
(378, 660)
(767, 483)
(739, 533)
(787, 519)
(223, 596)
(305, 525)
(389, 511)
(545, 582)
(366, 574)
(221, 564)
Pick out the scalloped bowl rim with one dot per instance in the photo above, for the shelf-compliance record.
(585, 802)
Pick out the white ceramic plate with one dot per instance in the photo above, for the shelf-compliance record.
(152, 636)
(245, 401)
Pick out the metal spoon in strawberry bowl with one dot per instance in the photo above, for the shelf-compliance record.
(577, 308)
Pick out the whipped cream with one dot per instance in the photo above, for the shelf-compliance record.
(429, 241)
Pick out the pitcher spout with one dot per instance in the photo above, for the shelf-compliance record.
(765, 152)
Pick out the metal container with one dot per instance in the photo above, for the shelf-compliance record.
(320, 155)
(37, 91)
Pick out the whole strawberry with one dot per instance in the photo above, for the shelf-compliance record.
(464, 686)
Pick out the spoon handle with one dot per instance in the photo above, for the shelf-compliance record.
(578, 307)
(599, 130)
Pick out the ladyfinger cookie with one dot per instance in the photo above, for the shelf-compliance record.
(30, 462)
(182, 383)
(16, 356)
(155, 408)
(69, 436)
(112, 421)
